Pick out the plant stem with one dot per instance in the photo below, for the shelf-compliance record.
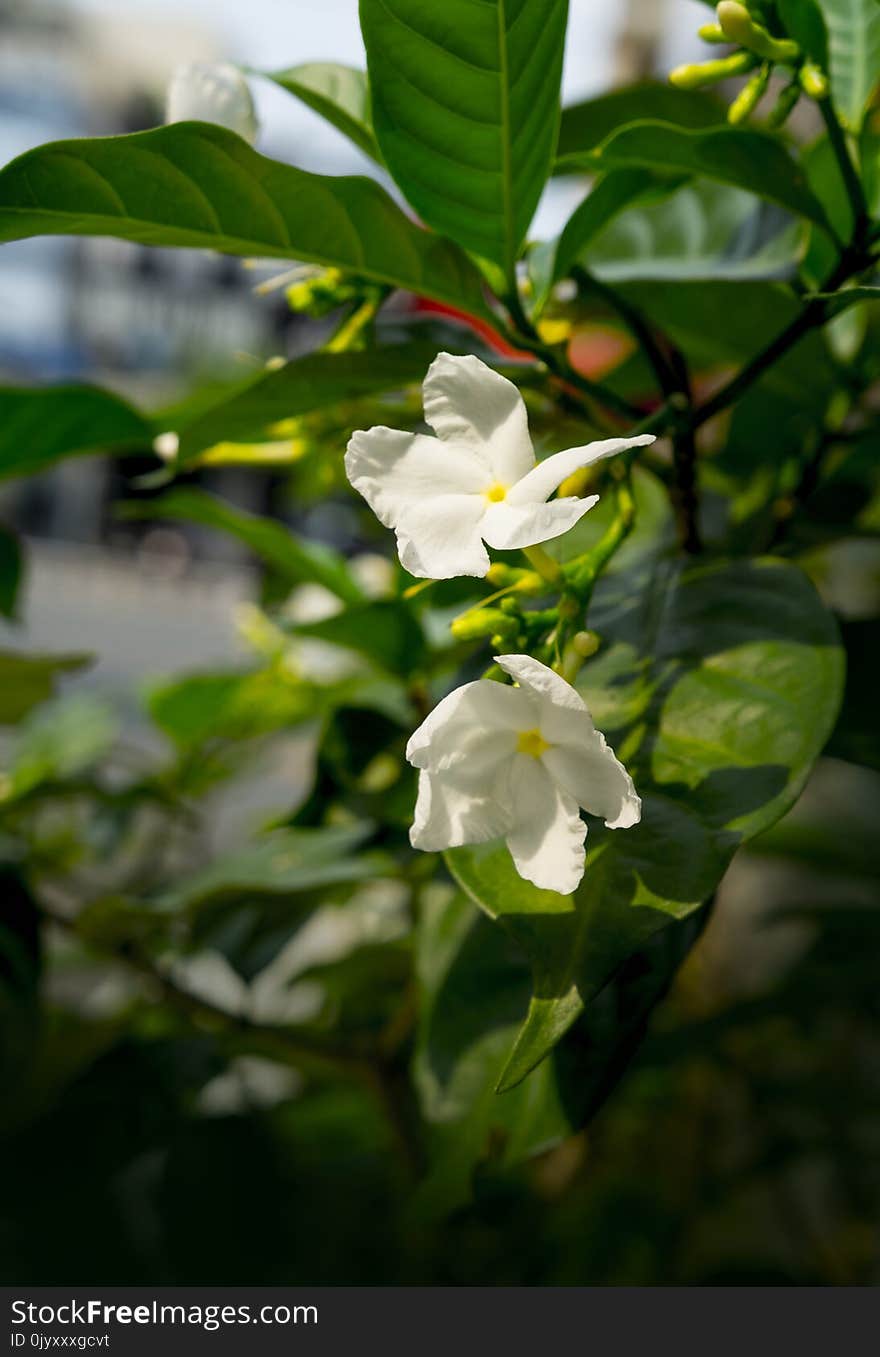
(851, 180)
(545, 565)
(635, 323)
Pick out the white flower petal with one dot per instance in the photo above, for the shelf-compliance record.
(468, 403)
(394, 470)
(547, 838)
(440, 538)
(212, 92)
(448, 815)
(507, 525)
(540, 483)
(597, 780)
(471, 731)
(560, 712)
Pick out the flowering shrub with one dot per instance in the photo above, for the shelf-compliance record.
(607, 664)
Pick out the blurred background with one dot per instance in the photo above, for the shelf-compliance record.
(744, 1144)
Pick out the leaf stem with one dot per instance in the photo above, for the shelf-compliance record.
(851, 180)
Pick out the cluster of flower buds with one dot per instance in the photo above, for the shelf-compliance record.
(749, 28)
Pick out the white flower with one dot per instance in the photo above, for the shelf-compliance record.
(516, 763)
(212, 92)
(476, 482)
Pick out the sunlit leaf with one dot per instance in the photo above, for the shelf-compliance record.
(586, 125)
(195, 184)
(339, 94)
(854, 54)
(466, 110)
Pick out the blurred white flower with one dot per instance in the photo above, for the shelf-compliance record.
(516, 763)
(212, 92)
(476, 482)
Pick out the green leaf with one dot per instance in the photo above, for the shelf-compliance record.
(719, 684)
(803, 20)
(749, 160)
(41, 425)
(295, 559)
(854, 55)
(466, 110)
(613, 192)
(386, 631)
(586, 125)
(26, 680)
(703, 230)
(305, 384)
(288, 860)
(11, 572)
(473, 985)
(340, 94)
(753, 312)
(217, 706)
(60, 740)
(195, 184)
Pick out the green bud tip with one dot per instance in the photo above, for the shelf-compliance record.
(739, 27)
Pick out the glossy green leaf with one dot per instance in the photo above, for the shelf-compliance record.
(195, 184)
(746, 159)
(854, 55)
(610, 196)
(725, 323)
(26, 680)
(386, 631)
(340, 94)
(466, 110)
(719, 685)
(11, 572)
(295, 559)
(703, 230)
(306, 384)
(41, 425)
(586, 125)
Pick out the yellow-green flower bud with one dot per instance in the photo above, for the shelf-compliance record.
(713, 33)
(813, 81)
(784, 104)
(585, 643)
(514, 577)
(739, 27)
(710, 72)
(480, 622)
(745, 102)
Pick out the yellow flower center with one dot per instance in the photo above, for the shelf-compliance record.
(496, 492)
(532, 742)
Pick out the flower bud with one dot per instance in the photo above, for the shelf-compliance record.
(514, 577)
(585, 643)
(745, 102)
(480, 622)
(814, 82)
(784, 104)
(713, 33)
(740, 27)
(710, 72)
(212, 92)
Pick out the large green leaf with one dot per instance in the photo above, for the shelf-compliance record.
(312, 382)
(40, 425)
(854, 54)
(750, 160)
(728, 322)
(719, 684)
(294, 558)
(703, 230)
(466, 110)
(584, 126)
(26, 680)
(339, 93)
(194, 184)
